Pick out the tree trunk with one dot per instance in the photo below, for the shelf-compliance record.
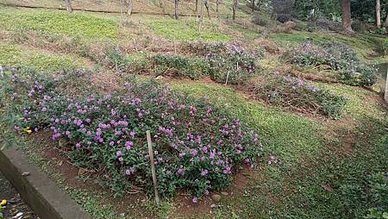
(386, 24)
(206, 3)
(68, 6)
(200, 17)
(253, 5)
(217, 4)
(130, 6)
(196, 6)
(234, 8)
(176, 9)
(378, 16)
(346, 17)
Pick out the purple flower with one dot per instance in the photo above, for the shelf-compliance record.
(167, 131)
(119, 154)
(227, 170)
(195, 200)
(128, 145)
(180, 171)
(204, 172)
(194, 152)
(130, 171)
(212, 154)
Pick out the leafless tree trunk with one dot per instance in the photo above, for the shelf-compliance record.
(346, 17)
(176, 9)
(206, 3)
(130, 6)
(253, 5)
(217, 4)
(234, 8)
(200, 16)
(378, 16)
(68, 6)
(196, 6)
(386, 23)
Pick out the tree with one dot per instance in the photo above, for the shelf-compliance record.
(234, 8)
(253, 5)
(69, 8)
(346, 17)
(129, 6)
(196, 6)
(206, 3)
(386, 23)
(176, 9)
(378, 17)
(217, 4)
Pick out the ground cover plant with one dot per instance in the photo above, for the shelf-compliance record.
(229, 62)
(179, 66)
(297, 94)
(42, 61)
(339, 57)
(78, 24)
(197, 146)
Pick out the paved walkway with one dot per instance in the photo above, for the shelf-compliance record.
(16, 205)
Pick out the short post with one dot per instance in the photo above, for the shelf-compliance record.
(386, 88)
(151, 153)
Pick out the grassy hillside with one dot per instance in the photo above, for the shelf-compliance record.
(312, 166)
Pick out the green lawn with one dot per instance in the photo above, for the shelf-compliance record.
(18, 56)
(58, 22)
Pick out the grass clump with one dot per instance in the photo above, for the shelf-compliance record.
(197, 146)
(298, 95)
(55, 22)
(339, 57)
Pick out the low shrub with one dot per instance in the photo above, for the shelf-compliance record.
(197, 146)
(116, 59)
(229, 62)
(341, 58)
(179, 66)
(296, 94)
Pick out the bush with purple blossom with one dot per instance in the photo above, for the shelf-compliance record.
(298, 95)
(339, 57)
(229, 62)
(197, 146)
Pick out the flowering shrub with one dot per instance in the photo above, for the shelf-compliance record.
(179, 66)
(197, 146)
(235, 66)
(230, 60)
(297, 94)
(339, 57)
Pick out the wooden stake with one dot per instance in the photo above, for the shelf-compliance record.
(151, 153)
(386, 89)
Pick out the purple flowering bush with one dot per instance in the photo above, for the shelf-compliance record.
(228, 62)
(299, 95)
(339, 57)
(197, 146)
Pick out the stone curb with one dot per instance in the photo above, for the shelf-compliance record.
(37, 190)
